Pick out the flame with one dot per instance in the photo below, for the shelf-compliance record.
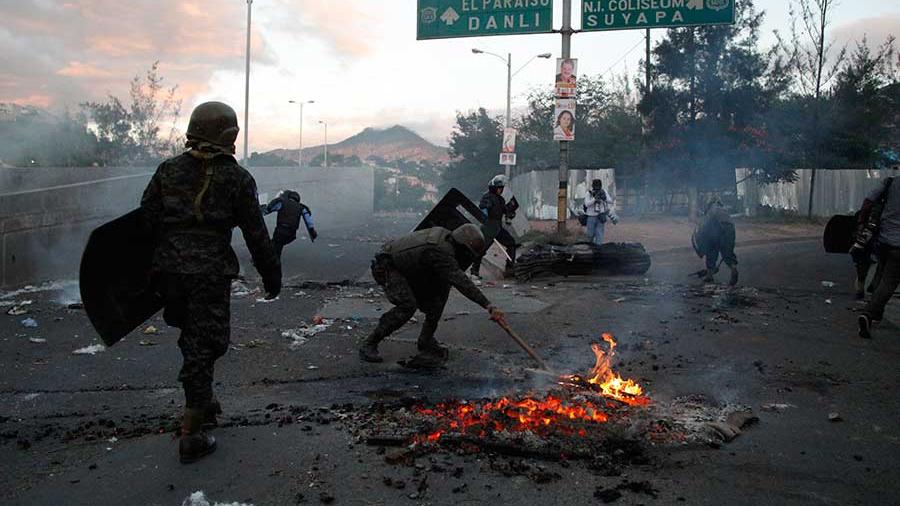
(609, 383)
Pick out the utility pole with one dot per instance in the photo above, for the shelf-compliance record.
(301, 103)
(507, 170)
(325, 165)
(247, 88)
(563, 200)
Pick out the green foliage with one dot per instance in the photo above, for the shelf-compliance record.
(132, 134)
(475, 152)
(38, 142)
(397, 192)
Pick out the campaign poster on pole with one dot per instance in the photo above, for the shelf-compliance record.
(564, 120)
(566, 77)
(508, 148)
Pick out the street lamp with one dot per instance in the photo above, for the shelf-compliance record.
(509, 76)
(247, 88)
(301, 103)
(326, 142)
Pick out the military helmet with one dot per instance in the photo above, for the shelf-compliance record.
(498, 181)
(214, 122)
(291, 194)
(470, 237)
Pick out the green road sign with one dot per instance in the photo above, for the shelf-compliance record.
(442, 19)
(597, 15)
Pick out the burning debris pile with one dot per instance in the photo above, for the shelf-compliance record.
(584, 417)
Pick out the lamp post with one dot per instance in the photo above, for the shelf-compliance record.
(509, 75)
(247, 87)
(325, 165)
(301, 103)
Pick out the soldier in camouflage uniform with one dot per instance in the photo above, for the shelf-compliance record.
(417, 272)
(193, 203)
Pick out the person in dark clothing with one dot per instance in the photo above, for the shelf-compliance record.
(882, 209)
(290, 212)
(417, 272)
(495, 209)
(715, 237)
(193, 203)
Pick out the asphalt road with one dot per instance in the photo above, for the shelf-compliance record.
(97, 429)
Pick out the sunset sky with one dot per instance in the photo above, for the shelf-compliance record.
(359, 60)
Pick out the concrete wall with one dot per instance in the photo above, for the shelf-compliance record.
(537, 191)
(837, 191)
(47, 214)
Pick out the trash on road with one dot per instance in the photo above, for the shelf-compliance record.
(18, 307)
(199, 499)
(777, 406)
(300, 335)
(147, 342)
(90, 350)
(835, 417)
(828, 284)
(151, 330)
(30, 323)
(37, 340)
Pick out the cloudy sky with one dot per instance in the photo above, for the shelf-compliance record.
(359, 60)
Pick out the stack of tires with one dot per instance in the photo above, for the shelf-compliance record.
(582, 258)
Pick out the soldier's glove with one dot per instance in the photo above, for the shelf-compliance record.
(497, 315)
(272, 283)
(859, 254)
(313, 234)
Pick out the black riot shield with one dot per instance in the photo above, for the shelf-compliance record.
(455, 210)
(839, 231)
(115, 277)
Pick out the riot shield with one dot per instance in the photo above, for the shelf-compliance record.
(455, 210)
(115, 277)
(838, 237)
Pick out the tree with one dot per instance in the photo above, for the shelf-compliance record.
(474, 149)
(713, 86)
(133, 134)
(814, 65)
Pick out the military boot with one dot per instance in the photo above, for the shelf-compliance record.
(195, 443)
(213, 409)
(368, 352)
(433, 348)
(734, 275)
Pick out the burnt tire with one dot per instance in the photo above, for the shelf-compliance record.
(582, 259)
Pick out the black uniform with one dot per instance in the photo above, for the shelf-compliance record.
(193, 202)
(495, 209)
(417, 272)
(715, 236)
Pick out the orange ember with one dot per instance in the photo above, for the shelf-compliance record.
(608, 383)
(506, 414)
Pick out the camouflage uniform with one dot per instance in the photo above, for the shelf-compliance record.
(417, 272)
(193, 202)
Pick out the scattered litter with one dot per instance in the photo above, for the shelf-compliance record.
(113, 439)
(318, 319)
(828, 301)
(300, 335)
(301, 293)
(506, 286)
(777, 406)
(828, 284)
(313, 367)
(46, 287)
(37, 340)
(263, 300)
(253, 343)
(835, 417)
(619, 300)
(18, 307)
(240, 289)
(90, 350)
(334, 245)
(147, 343)
(462, 313)
(30, 323)
(199, 499)
(151, 330)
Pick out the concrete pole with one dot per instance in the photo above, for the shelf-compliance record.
(300, 149)
(247, 88)
(563, 200)
(326, 144)
(508, 102)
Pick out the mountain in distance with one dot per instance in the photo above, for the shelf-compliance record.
(389, 144)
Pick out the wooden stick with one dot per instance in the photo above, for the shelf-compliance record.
(505, 326)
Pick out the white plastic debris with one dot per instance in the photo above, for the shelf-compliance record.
(30, 323)
(90, 350)
(828, 284)
(37, 340)
(300, 335)
(263, 300)
(199, 499)
(150, 330)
